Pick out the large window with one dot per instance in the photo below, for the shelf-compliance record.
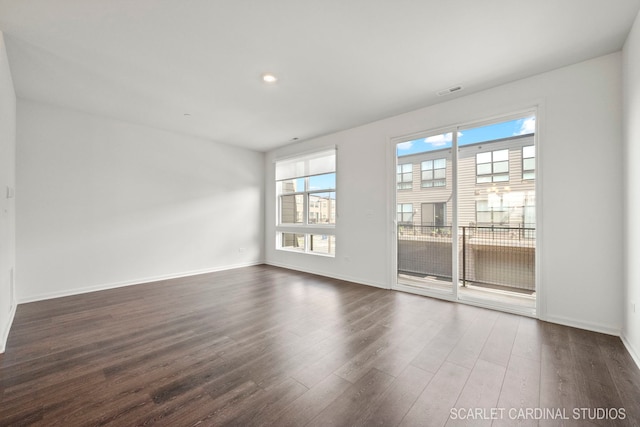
(306, 192)
(405, 176)
(434, 173)
(529, 162)
(492, 166)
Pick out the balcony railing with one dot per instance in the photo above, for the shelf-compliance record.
(494, 256)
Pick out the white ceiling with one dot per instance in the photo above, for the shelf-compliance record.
(340, 63)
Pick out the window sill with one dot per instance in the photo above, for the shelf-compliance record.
(298, 251)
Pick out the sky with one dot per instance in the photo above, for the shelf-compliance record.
(469, 136)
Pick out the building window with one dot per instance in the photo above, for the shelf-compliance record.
(434, 173)
(405, 213)
(491, 212)
(529, 162)
(492, 166)
(405, 176)
(306, 193)
(322, 244)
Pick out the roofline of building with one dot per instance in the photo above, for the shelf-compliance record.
(469, 145)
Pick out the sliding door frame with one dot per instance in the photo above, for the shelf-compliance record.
(540, 306)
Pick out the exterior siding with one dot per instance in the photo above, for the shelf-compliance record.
(468, 190)
(494, 249)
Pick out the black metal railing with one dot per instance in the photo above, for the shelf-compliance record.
(497, 256)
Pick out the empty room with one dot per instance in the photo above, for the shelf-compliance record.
(322, 213)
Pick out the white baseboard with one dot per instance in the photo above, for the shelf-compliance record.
(635, 355)
(7, 328)
(139, 281)
(333, 276)
(580, 324)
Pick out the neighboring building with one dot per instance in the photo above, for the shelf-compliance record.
(496, 212)
(496, 185)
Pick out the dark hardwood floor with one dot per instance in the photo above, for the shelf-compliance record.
(268, 346)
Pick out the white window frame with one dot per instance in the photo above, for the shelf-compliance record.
(304, 167)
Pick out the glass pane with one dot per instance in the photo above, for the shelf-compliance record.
(494, 201)
(501, 217)
(484, 217)
(424, 238)
(529, 175)
(514, 199)
(484, 169)
(424, 145)
(483, 158)
(499, 156)
(291, 185)
(322, 244)
(322, 182)
(292, 241)
(496, 258)
(292, 209)
(529, 164)
(322, 208)
(407, 207)
(529, 151)
(501, 167)
(406, 177)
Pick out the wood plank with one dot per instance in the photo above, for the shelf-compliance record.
(481, 391)
(309, 405)
(399, 398)
(469, 347)
(268, 346)
(433, 406)
(355, 402)
(497, 348)
(520, 390)
(625, 375)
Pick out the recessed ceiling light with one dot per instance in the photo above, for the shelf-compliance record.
(269, 78)
(187, 115)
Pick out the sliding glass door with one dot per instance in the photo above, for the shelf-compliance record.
(424, 190)
(466, 213)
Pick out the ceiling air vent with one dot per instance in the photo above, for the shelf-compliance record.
(449, 90)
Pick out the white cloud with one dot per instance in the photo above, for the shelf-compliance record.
(440, 140)
(527, 126)
(405, 145)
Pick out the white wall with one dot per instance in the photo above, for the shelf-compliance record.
(7, 205)
(104, 203)
(579, 172)
(631, 90)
